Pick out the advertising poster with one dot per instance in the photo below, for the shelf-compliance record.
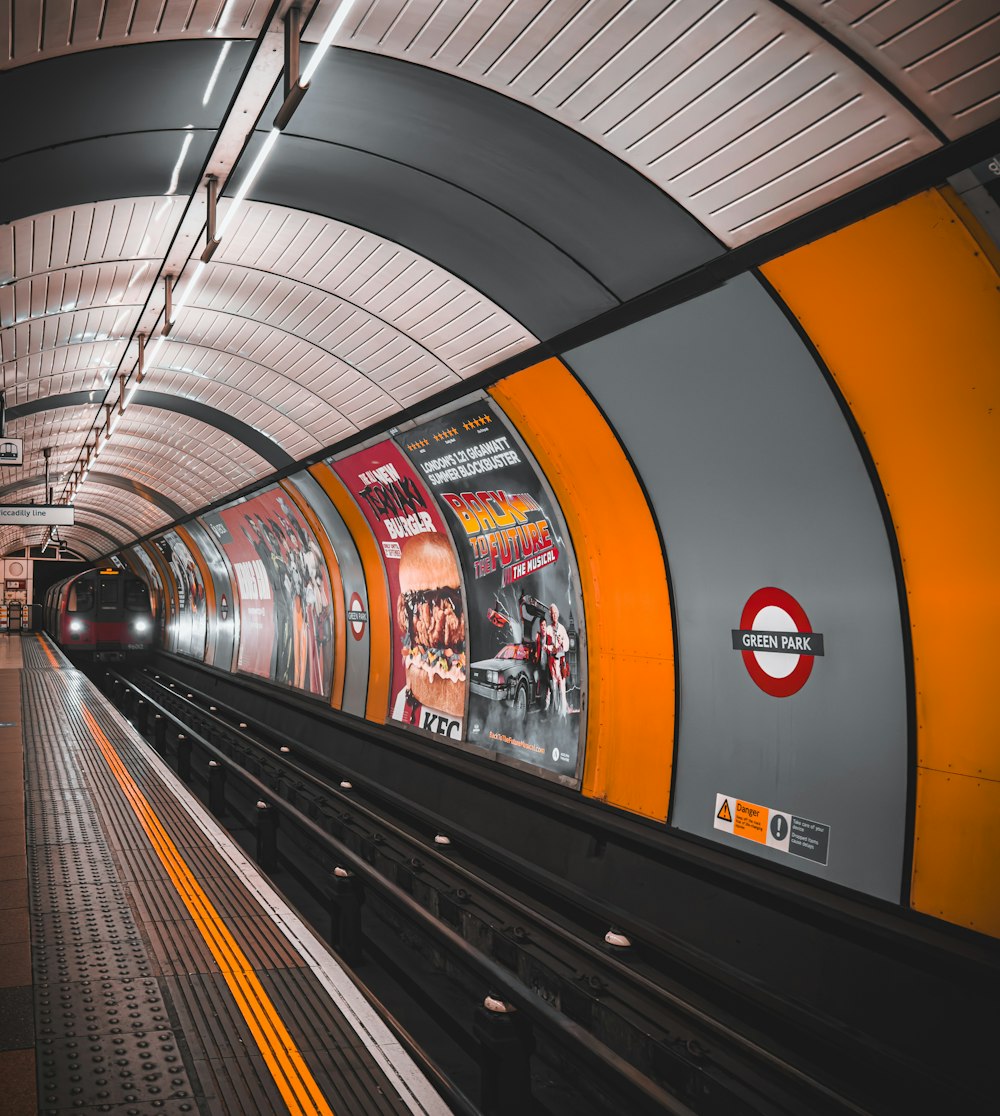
(524, 617)
(188, 627)
(429, 675)
(285, 602)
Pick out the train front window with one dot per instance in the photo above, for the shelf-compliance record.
(81, 597)
(136, 596)
(110, 593)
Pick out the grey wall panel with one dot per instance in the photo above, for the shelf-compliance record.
(353, 576)
(603, 214)
(527, 275)
(757, 482)
(129, 89)
(221, 622)
(135, 165)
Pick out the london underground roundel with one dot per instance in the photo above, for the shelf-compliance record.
(777, 642)
(357, 616)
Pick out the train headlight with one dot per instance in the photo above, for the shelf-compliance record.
(76, 625)
(141, 626)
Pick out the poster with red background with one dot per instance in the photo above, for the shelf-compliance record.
(399, 510)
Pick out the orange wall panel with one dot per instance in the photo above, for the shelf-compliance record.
(379, 649)
(630, 660)
(203, 570)
(904, 307)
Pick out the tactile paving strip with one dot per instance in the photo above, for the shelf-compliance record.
(33, 654)
(105, 1039)
(133, 1013)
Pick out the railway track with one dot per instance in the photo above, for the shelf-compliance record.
(626, 1025)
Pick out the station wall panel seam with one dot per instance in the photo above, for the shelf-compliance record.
(628, 761)
(918, 368)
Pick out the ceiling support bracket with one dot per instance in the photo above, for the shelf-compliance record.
(294, 90)
(168, 306)
(212, 202)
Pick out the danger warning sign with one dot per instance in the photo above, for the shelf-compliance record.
(777, 642)
(776, 829)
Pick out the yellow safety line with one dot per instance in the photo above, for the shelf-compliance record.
(297, 1085)
(45, 647)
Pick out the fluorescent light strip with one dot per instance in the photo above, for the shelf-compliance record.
(222, 17)
(177, 168)
(215, 73)
(335, 24)
(240, 196)
(189, 287)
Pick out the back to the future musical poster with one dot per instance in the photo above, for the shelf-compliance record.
(525, 623)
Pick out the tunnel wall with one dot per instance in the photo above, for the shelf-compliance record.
(918, 364)
(744, 484)
(759, 487)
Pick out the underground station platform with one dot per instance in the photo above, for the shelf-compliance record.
(147, 966)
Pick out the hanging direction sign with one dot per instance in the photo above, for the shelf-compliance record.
(34, 515)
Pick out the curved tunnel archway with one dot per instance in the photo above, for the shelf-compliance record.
(456, 193)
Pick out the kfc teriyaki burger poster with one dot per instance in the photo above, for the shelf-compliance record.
(429, 668)
(524, 623)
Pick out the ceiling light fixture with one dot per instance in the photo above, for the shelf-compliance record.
(217, 30)
(240, 196)
(215, 73)
(335, 24)
(296, 84)
(175, 176)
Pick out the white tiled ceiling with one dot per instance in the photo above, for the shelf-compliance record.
(943, 54)
(733, 107)
(180, 457)
(30, 31)
(386, 286)
(87, 543)
(230, 384)
(119, 503)
(132, 229)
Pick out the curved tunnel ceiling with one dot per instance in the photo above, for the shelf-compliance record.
(461, 180)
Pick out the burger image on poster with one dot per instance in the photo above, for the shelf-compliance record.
(432, 628)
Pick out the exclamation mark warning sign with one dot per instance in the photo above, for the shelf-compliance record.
(723, 813)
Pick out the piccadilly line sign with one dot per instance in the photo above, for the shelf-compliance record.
(31, 515)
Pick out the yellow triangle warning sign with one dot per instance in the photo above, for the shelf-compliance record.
(724, 814)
